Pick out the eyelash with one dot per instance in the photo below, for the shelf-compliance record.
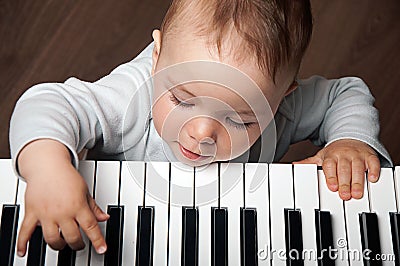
(236, 125)
(178, 102)
(241, 126)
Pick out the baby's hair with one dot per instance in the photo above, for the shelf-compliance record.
(274, 32)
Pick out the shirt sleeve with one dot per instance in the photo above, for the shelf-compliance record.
(82, 114)
(328, 110)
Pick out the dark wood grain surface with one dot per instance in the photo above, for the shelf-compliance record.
(49, 41)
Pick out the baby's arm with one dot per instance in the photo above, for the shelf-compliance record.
(51, 123)
(57, 198)
(348, 126)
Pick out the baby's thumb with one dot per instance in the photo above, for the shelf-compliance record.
(98, 213)
(310, 160)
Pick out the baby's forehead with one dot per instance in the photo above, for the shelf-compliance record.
(240, 78)
(187, 47)
(243, 78)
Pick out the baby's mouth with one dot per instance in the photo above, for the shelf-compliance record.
(191, 155)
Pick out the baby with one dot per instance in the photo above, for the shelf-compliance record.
(220, 75)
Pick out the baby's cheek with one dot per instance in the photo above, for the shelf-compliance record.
(167, 120)
(157, 120)
(235, 143)
(158, 117)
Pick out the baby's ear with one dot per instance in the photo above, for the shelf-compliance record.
(156, 50)
(292, 87)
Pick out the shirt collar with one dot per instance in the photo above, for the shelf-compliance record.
(285, 107)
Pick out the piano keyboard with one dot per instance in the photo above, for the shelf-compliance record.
(224, 214)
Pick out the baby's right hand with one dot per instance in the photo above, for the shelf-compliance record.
(57, 198)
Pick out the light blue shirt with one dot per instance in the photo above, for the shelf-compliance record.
(112, 116)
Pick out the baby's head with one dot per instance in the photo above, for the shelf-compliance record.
(221, 68)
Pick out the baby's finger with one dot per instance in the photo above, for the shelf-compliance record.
(357, 179)
(28, 226)
(374, 168)
(311, 160)
(101, 216)
(52, 236)
(329, 166)
(344, 177)
(88, 223)
(72, 235)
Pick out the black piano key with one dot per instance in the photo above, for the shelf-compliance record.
(37, 248)
(395, 226)
(8, 234)
(219, 236)
(323, 226)
(66, 257)
(145, 236)
(248, 236)
(293, 237)
(190, 236)
(370, 237)
(114, 233)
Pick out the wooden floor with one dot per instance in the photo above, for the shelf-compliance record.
(49, 41)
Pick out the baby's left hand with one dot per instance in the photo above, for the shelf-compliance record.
(344, 163)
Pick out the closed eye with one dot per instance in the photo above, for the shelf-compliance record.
(180, 103)
(239, 125)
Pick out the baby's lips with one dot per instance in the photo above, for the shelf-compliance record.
(188, 154)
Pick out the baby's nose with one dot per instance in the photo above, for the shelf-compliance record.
(207, 140)
(204, 129)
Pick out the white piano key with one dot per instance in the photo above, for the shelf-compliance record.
(353, 208)
(307, 200)
(181, 194)
(206, 196)
(8, 181)
(281, 197)
(383, 201)
(157, 183)
(86, 169)
(18, 261)
(330, 201)
(397, 186)
(256, 196)
(132, 175)
(231, 183)
(106, 193)
(51, 256)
